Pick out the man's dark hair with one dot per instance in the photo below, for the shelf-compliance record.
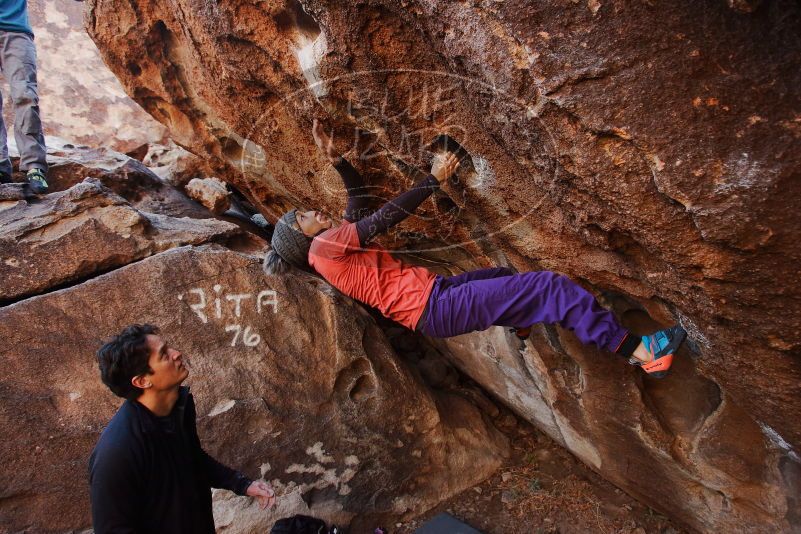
(125, 357)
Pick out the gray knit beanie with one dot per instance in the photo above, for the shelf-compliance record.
(289, 242)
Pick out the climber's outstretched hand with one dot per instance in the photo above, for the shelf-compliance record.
(324, 142)
(444, 166)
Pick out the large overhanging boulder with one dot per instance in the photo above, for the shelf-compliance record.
(650, 150)
(292, 382)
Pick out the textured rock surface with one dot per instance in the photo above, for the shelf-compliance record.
(137, 183)
(11, 193)
(85, 230)
(210, 192)
(80, 98)
(644, 435)
(175, 165)
(291, 382)
(649, 150)
(131, 179)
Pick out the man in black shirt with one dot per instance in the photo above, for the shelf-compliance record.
(148, 472)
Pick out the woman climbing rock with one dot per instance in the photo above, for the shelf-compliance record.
(437, 306)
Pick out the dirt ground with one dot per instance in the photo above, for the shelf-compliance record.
(542, 488)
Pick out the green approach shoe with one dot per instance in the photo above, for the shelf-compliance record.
(36, 178)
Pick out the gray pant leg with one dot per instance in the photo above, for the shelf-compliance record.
(5, 163)
(19, 67)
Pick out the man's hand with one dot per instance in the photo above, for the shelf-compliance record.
(263, 492)
(444, 166)
(324, 142)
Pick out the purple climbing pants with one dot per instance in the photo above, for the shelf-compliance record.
(480, 299)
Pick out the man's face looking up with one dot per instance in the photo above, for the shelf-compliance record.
(167, 366)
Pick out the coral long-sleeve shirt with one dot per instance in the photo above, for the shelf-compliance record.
(371, 275)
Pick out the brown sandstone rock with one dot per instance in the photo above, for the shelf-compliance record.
(292, 382)
(175, 165)
(131, 179)
(211, 193)
(650, 150)
(10, 194)
(83, 231)
(681, 435)
(744, 6)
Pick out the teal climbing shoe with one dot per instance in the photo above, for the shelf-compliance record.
(37, 180)
(661, 346)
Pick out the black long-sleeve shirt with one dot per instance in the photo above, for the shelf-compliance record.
(391, 213)
(150, 474)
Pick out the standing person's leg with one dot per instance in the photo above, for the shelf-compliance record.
(19, 66)
(6, 169)
(5, 163)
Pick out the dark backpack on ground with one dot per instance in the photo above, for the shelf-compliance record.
(301, 524)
